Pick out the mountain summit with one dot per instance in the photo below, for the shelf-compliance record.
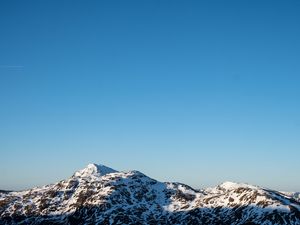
(100, 195)
(94, 170)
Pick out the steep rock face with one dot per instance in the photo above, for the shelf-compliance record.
(100, 195)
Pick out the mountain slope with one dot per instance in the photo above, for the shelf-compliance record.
(100, 195)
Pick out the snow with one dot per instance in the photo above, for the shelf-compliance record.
(94, 170)
(232, 185)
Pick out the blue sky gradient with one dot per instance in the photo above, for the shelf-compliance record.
(192, 91)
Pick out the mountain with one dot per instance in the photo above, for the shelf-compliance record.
(100, 195)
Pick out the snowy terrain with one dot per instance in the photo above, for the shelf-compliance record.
(100, 195)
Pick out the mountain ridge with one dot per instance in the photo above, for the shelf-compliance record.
(101, 195)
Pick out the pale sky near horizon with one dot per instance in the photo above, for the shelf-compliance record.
(198, 92)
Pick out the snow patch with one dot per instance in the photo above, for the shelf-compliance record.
(232, 185)
(94, 170)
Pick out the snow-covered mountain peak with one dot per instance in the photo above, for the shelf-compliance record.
(100, 195)
(94, 170)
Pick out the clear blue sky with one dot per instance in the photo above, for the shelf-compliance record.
(192, 91)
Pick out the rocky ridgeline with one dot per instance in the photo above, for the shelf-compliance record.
(101, 195)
